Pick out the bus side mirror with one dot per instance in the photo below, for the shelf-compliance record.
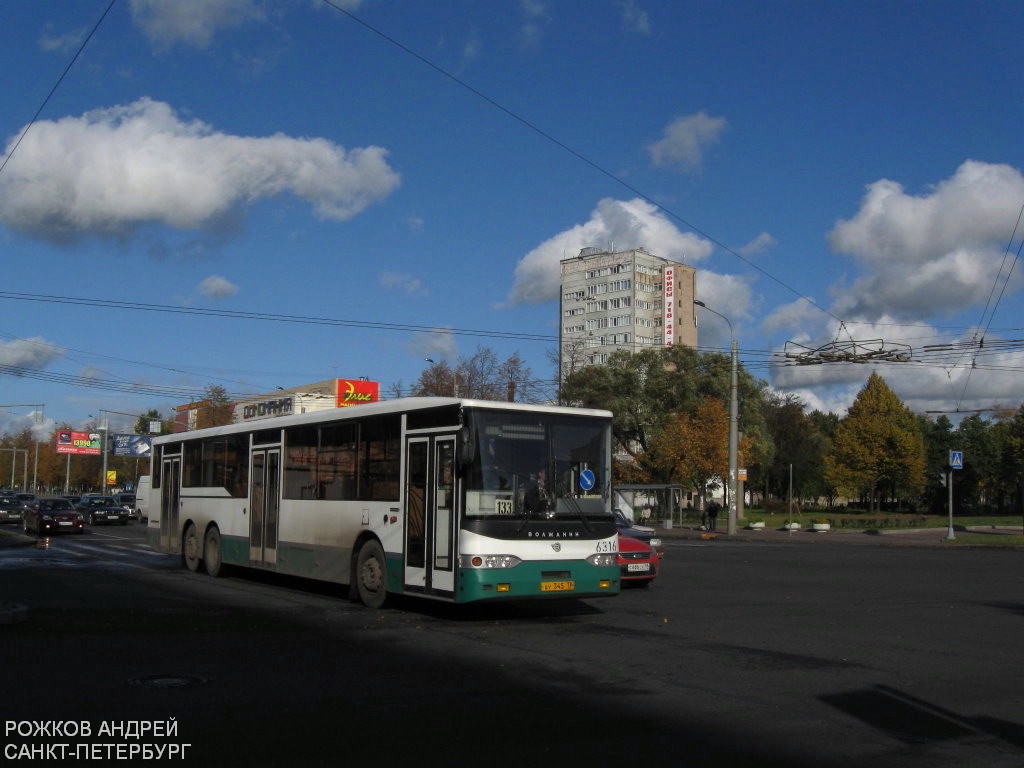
(467, 447)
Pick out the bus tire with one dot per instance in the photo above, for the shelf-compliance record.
(190, 548)
(371, 574)
(211, 553)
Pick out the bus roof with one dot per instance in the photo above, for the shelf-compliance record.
(401, 405)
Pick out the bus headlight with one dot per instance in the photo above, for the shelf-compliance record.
(602, 559)
(489, 561)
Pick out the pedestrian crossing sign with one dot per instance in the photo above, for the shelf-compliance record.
(956, 459)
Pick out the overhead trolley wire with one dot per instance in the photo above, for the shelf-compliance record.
(575, 153)
(272, 317)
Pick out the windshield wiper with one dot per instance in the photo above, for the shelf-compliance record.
(574, 505)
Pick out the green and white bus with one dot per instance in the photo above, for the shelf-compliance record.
(450, 499)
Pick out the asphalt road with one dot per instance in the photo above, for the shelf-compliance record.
(742, 653)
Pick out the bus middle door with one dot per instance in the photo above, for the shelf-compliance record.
(431, 514)
(264, 504)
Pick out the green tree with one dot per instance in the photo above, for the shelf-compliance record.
(798, 444)
(644, 390)
(970, 485)
(1009, 445)
(938, 441)
(142, 423)
(877, 443)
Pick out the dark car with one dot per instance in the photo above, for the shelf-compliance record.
(48, 516)
(127, 500)
(103, 509)
(638, 562)
(11, 509)
(639, 532)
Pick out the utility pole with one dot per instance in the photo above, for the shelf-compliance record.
(733, 418)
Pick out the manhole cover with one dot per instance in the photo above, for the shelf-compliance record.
(167, 681)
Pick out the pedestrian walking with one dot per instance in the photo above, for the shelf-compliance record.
(713, 508)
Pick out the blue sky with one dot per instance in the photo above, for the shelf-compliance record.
(284, 158)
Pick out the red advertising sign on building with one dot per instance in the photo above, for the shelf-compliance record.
(87, 443)
(351, 392)
(669, 297)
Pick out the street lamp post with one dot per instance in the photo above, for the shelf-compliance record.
(38, 418)
(733, 418)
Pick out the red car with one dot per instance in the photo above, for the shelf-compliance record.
(46, 516)
(638, 562)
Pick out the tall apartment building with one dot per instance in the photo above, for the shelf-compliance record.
(628, 300)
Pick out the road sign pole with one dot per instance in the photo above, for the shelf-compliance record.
(950, 536)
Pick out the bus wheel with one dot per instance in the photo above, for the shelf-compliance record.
(211, 553)
(371, 579)
(190, 548)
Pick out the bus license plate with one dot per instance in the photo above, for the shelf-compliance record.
(638, 567)
(557, 586)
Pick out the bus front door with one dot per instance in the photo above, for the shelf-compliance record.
(264, 504)
(431, 514)
(170, 500)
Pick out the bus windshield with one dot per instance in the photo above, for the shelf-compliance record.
(532, 466)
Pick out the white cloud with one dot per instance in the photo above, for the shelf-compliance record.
(437, 345)
(759, 244)
(111, 170)
(65, 43)
(684, 141)
(535, 18)
(42, 427)
(471, 50)
(33, 354)
(408, 284)
(933, 253)
(614, 224)
(192, 22)
(217, 287)
(796, 316)
(729, 295)
(635, 18)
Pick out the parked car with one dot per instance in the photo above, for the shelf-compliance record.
(103, 509)
(638, 562)
(639, 532)
(52, 515)
(127, 500)
(11, 510)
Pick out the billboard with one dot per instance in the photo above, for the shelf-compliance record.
(87, 443)
(140, 446)
(351, 392)
(669, 317)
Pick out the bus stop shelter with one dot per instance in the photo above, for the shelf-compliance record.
(636, 502)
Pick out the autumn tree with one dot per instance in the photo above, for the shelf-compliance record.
(692, 448)
(878, 442)
(215, 409)
(644, 390)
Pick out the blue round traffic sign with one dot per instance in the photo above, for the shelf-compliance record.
(587, 479)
